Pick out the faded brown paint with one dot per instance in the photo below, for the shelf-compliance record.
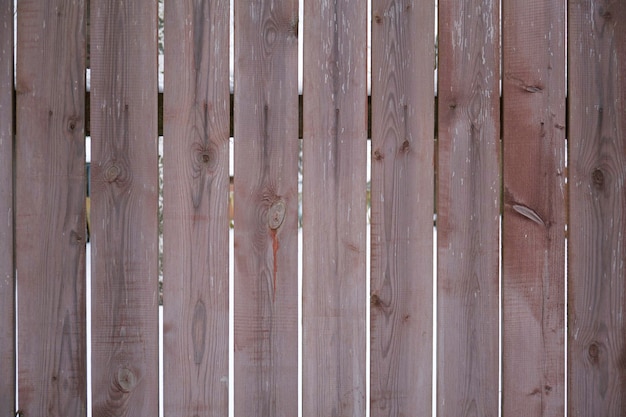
(533, 226)
(50, 207)
(124, 191)
(597, 232)
(468, 209)
(195, 217)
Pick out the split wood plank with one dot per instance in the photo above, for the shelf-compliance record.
(195, 208)
(50, 207)
(7, 267)
(334, 181)
(402, 207)
(124, 190)
(533, 234)
(266, 208)
(468, 208)
(597, 231)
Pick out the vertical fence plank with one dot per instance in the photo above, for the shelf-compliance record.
(402, 207)
(597, 231)
(50, 206)
(266, 208)
(534, 207)
(468, 208)
(195, 218)
(334, 152)
(7, 282)
(124, 208)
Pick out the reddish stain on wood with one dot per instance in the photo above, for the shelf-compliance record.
(275, 246)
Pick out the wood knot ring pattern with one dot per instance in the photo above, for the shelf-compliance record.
(276, 215)
(112, 173)
(126, 379)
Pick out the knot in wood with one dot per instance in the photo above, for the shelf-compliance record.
(294, 26)
(270, 35)
(206, 155)
(126, 379)
(72, 123)
(375, 300)
(112, 173)
(75, 238)
(594, 352)
(604, 13)
(276, 215)
(533, 88)
(597, 177)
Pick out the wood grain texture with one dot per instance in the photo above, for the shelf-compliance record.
(334, 164)
(468, 208)
(195, 217)
(597, 232)
(402, 208)
(124, 208)
(266, 208)
(7, 266)
(50, 207)
(533, 236)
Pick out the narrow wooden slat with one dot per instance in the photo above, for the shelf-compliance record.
(50, 207)
(402, 207)
(7, 282)
(597, 228)
(334, 166)
(124, 208)
(534, 207)
(195, 218)
(266, 208)
(468, 208)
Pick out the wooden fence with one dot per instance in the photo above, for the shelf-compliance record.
(497, 156)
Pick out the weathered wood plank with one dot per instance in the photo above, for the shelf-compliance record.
(597, 231)
(7, 267)
(195, 215)
(124, 208)
(402, 207)
(50, 207)
(266, 208)
(468, 208)
(334, 152)
(533, 235)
